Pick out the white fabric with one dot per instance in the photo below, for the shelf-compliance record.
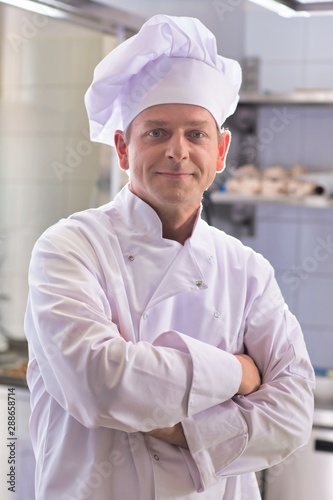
(170, 60)
(128, 331)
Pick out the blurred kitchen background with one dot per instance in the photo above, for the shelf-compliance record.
(49, 168)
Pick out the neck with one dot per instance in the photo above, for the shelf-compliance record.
(178, 227)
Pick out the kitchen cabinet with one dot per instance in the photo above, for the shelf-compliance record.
(17, 462)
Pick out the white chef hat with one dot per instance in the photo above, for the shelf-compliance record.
(170, 60)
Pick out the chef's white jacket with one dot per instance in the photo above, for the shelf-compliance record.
(129, 332)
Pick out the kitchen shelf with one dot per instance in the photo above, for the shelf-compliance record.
(304, 97)
(220, 197)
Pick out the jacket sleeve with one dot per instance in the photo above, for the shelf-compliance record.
(250, 433)
(99, 377)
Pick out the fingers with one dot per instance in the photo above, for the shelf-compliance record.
(251, 378)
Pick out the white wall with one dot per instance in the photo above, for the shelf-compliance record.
(226, 19)
(299, 244)
(294, 52)
(48, 166)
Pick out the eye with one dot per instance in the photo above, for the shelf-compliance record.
(155, 133)
(196, 134)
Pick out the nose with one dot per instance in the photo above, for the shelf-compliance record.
(177, 148)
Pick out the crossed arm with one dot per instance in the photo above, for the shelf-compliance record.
(250, 383)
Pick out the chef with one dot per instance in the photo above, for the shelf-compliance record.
(164, 362)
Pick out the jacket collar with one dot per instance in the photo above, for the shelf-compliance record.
(139, 217)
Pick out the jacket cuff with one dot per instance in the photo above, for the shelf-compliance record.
(216, 438)
(216, 375)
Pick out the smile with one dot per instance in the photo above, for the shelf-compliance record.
(174, 175)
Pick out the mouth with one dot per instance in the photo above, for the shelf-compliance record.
(174, 175)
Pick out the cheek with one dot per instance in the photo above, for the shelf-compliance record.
(209, 173)
(136, 170)
(210, 165)
(131, 154)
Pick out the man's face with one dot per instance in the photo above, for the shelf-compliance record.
(172, 155)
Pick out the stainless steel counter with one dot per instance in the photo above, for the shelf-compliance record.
(307, 474)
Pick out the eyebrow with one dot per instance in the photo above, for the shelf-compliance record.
(163, 123)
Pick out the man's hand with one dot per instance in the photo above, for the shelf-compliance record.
(251, 379)
(172, 435)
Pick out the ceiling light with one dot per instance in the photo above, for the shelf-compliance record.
(297, 8)
(35, 7)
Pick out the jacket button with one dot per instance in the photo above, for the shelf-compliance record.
(131, 257)
(199, 283)
(156, 457)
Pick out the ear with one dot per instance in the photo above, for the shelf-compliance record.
(223, 150)
(121, 148)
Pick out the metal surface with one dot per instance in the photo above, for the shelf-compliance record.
(219, 197)
(307, 6)
(308, 473)
(323, 417)
(301, 96)
(84, 13)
